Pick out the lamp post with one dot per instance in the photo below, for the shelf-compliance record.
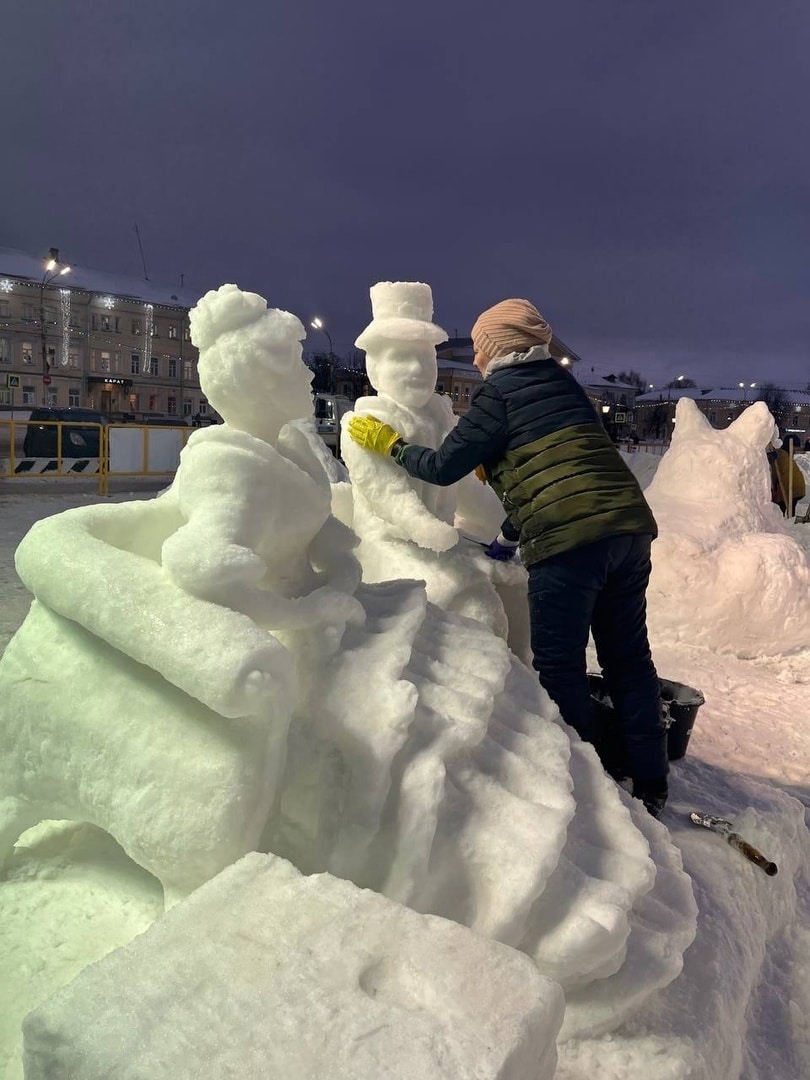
(670, 418)
(745, 387)
(53, 269)
(317, 324)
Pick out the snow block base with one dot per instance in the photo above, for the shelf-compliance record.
(262, 972)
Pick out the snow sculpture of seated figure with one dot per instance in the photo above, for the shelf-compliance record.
(408, 528)
(144, 692)
(384, 740)
(722, 543)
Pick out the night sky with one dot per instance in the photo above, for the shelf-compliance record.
(637, 168)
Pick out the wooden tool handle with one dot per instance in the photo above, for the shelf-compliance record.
(751, 853)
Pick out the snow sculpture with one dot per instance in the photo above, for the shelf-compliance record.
(408, 528)
(144, 674)
(723, 543)
(352, 986)
(203, 674)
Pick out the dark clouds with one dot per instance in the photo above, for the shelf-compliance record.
(638, 168)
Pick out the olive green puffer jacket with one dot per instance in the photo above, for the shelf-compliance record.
(561, 480)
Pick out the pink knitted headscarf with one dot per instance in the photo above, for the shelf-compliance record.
(511, 326)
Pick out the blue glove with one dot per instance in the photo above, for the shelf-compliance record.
(501, 552)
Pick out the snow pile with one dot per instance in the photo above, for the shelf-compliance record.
(322, 979)
(723, 543)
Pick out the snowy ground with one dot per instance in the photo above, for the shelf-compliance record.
(71, 895)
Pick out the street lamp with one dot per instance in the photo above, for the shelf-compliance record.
(745, 387)
(317, 324)
(53, 269)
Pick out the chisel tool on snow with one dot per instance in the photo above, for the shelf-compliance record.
(726, 830)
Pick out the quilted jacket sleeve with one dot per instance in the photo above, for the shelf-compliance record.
(479, 437)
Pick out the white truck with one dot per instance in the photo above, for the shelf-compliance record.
(329, 409)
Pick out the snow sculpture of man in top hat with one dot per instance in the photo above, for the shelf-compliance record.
(408, 528)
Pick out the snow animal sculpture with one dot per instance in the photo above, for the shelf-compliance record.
(722, 543)
(144, 674)
(399, 746)
(408, 528)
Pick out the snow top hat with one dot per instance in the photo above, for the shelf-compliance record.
(401, 311)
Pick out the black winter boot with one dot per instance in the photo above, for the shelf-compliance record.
(653, 793)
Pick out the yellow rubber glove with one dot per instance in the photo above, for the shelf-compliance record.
(373, 434)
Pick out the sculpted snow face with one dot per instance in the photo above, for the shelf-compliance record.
(723, 543)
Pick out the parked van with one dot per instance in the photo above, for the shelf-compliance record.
(79, 440)
(329, 409)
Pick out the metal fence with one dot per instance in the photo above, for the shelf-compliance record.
(76, 448)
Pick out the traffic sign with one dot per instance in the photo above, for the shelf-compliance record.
(46, 379)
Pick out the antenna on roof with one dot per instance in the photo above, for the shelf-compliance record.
(140, 248)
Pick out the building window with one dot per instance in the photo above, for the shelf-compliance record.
(203, 407)
(172, 368)
(136, 326)
(171, 406)
(50, 315)
(52, 396)
(154, 366)
(51, 356)
(73, 398)
(5, 351)
(188, 370)
(28, 313)
(186, 333)
(187, 406)
(73, 358)
(27, 352)
(135, 402)
(104, 363)
(153, 403)
(155, 329)
(135, 364)
(106, 322)
(29, 395)
(173, 331)
(4, 309)
(5, 396)
(94, 322)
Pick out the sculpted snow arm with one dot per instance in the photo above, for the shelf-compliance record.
(213, 556)
(389, 491)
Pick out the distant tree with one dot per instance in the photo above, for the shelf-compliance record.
(777, 400)
(632, 378)
(658, 421)
(323, 365)
(685, 384)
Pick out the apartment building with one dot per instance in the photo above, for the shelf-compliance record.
(83, 337)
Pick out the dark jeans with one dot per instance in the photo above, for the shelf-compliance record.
(600, 588)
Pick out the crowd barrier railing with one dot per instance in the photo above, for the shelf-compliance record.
(67, 449)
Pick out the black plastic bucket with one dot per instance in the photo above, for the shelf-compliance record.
(679, 705)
